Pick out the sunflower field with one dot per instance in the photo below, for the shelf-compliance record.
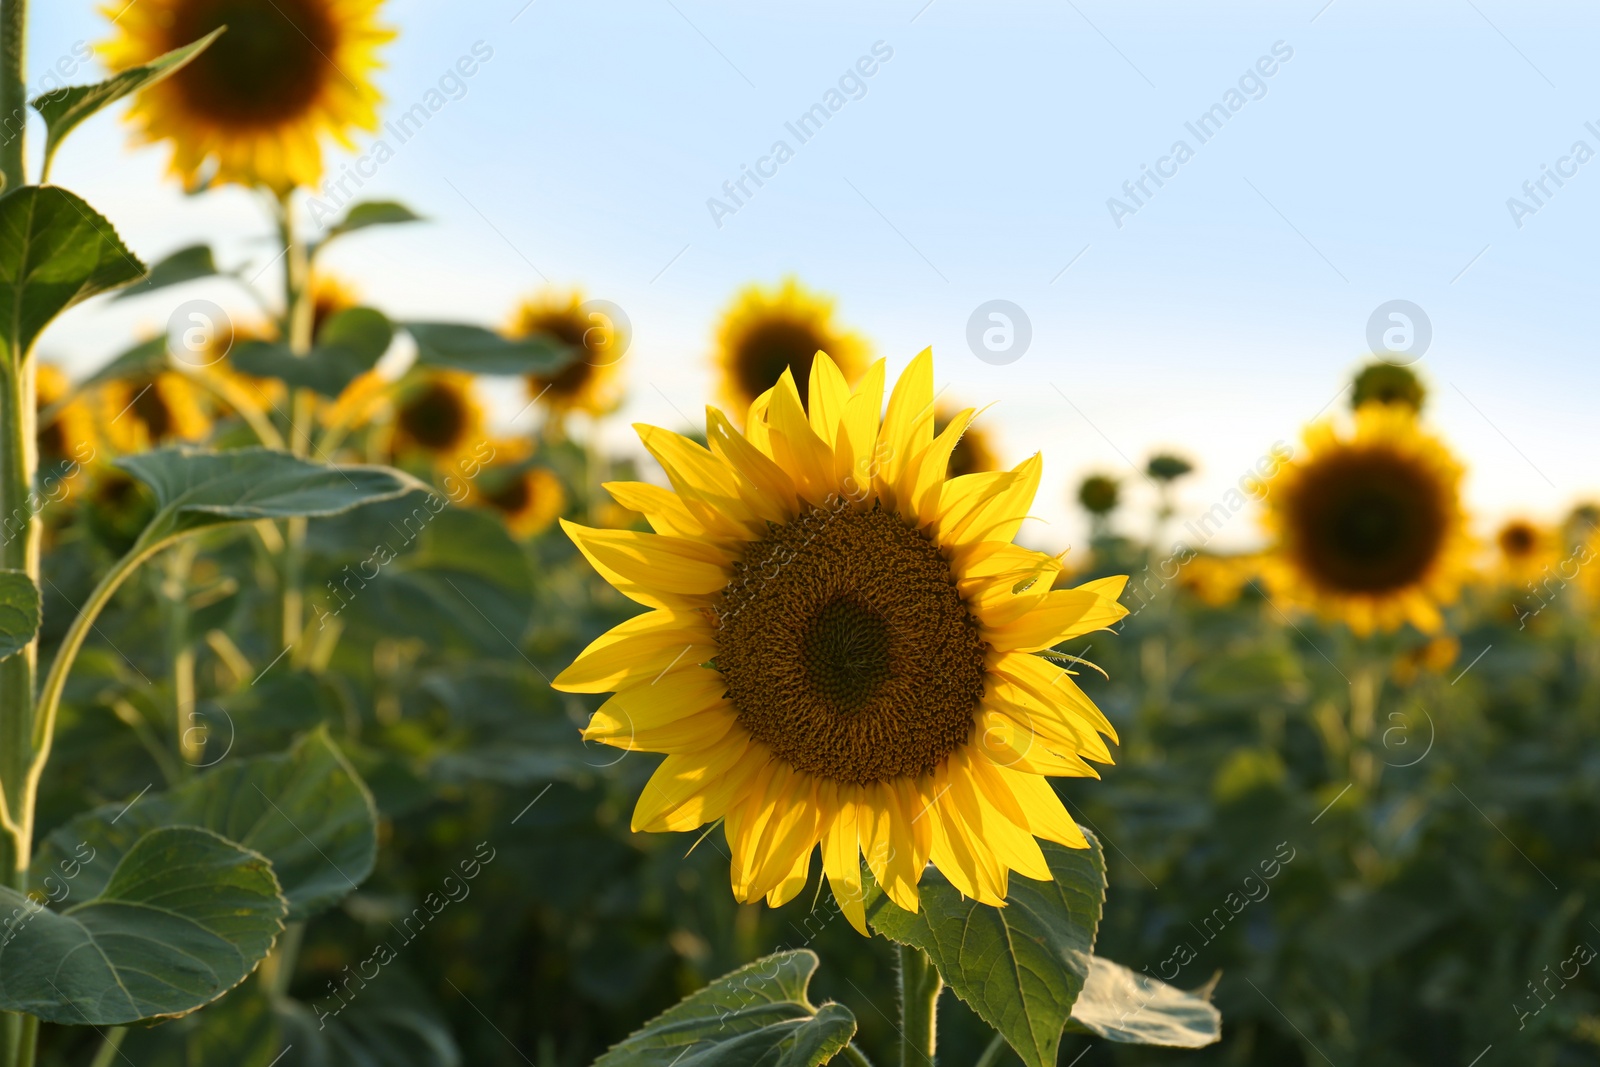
(346, 719)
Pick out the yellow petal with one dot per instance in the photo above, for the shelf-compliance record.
(1008, 742)
(796, 447)
(933, 468)
(826, 395)
(841, 861)
(1061, 614)
(690, 789)
(907, 426)
(762, 483)
(1051, 686)
(857, 436)
(988, 506)
(706, 485)
(661, 508)
(642, 649)
(1047, 816)
(654, 569)
(991, 828)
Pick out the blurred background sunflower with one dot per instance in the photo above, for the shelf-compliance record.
(766, 331)
(255, 106)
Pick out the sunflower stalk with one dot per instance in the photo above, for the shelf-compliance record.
(1364, 685)
(297, 324)
(19, 534)
(920, 986)
(180, 652)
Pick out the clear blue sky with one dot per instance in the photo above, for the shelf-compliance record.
(1373, 164)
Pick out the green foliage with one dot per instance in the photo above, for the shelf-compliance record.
(184, 917)
(55, 250)
(19, 612)
(306, 810)
(348, 345)
(456, 346)
(758, 1014)
(185, 265)
(65, 108)
(196, 490)
(371, 213)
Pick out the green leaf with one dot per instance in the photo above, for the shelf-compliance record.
(184, 265)
(146, 357)
(1019, 967)
(197, 489)
(306, 810)
(1122, 1005)
(472, 348)
(55, 250)
(65, 108)
(19, 612)
(185, 917)
(757, 1014)
(348, 345)
(371, 213)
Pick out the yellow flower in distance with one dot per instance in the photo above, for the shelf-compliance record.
(69, 437)
(768, 331)
(257, 102)
(841, 648)
(592, 382)
(1217, 580)
(528, 499)
(142, 412)
(438, 416)
(1525, 551)
(1368, 526)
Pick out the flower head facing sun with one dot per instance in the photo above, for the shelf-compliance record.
(841, 646)
(1525, 550)
(1369, 526)
(257, 102)
(438, 416)
(592, 382)
(769, 331)
(528, 499)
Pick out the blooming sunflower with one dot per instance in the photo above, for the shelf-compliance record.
(975, 451)
(437, 415)
(528, 499)
(68, 440)
(1217, 580)
(330, 295)
(257, 102)
(841, 646)
(1369, 526)
(766, 332)
(1526, 550)
(590, 383)
(143, 411)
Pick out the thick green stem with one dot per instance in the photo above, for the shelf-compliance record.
(991, 1054)
(110, 1043)
(920, 986)
(180, 653)
(19, 532)
(297, 330)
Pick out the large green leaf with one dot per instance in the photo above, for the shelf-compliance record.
(480, 351)
(185, 916)
(184, 265)
(1022, 966)
(757, 1014)
(1122, 1005)
(348, 345)
(306, 810)
(55, 250)
(19, 612)
(65, 108)
(196, 489)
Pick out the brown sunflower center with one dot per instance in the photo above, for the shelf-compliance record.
(435, 418)
(571, 330)
(773, 347)
(150, 407)
(270, 65)
(510, 494)
(1368, 521)
(847, 649)
(1517, 540)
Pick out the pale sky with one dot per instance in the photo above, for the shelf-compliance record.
(1374, 163)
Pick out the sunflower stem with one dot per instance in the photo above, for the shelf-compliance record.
(180, 653)
(854, 1056)
(991, 1054)
(1363, 717)
(19, 531)
(920, 986)
(110, 1047)
(297, 330)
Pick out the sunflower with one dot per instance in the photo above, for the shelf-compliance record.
(1217, 580)
(437, 415)
(258, 101)
(528, 499)
(1433, 656)
(140, 412)
(768, 331)
(330, 295)
(68, 440)
(975, 451)
(1368, 526)
(590, 383)
(841, 646)
(1526, 550)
